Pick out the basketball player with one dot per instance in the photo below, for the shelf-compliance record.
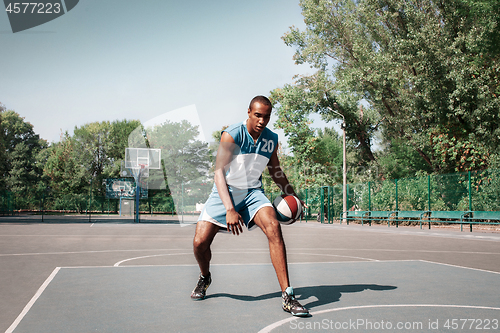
(238, 200)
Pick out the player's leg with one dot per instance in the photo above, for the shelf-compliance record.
(266, 220)
(204, 235)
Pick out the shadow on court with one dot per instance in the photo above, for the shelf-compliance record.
(325, 294)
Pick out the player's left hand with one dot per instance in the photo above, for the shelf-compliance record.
(234, 222)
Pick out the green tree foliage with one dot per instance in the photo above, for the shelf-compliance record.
(216, 135)
(119, 135)
(185, 160)
(3, 150)
(428, 70)
(92, 145)
(100, 147)
(294, 103)
(64, 167)
(399, 160)
(20, 169)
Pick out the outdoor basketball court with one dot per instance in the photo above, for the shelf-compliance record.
(120, 276)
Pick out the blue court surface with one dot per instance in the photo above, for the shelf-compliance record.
(367, 279)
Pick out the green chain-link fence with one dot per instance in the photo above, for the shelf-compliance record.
(467, 191)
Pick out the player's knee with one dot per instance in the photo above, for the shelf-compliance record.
(200, 243)
(273, 230)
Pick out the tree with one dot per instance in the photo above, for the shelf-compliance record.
(3, 150)
(119, 134)
(216, 135)
(20, 171)
(185, 160)
(100, 147)
(294, 103)
(426, 68)
(92, 144)
(63, 167)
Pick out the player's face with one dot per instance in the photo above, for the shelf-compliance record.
(258, 118)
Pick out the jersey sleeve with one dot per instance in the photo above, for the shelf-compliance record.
(235, 132)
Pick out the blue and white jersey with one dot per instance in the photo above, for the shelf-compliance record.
(245, 170)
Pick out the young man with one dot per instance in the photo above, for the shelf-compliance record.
(238, 200)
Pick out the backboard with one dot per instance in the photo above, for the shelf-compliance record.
(124, 188)
(145, 157)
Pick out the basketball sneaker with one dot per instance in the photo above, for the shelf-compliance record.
(290, 304)
(200, 290)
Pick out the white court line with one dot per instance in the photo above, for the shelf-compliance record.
(239, 252)
(290, 249)
(103, 236)
(474, 269)
(140, 224)
(331, 255)
(393, 250)
(32, 301)
(83, 252)
(240, 264)
(151, 256)
(409, 232)
(232, 264)
(271, 327)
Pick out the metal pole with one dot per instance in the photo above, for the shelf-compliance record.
(344, 167)
(43, 201)
(369, 197)
(347, 186)
(330, 205)
(90, 206)
(397, 206)
(344, 163)
(137, 194)
(429, 190)
(322, 207)
(307, 209)
(470, 193)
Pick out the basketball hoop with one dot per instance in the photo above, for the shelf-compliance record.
(137, 162)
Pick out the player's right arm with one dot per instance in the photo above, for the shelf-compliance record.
(224, 157)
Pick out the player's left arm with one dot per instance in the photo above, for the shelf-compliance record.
(278, 175)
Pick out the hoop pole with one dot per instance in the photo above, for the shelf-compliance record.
(137, 194)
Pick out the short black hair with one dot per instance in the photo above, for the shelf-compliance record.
(260, 99)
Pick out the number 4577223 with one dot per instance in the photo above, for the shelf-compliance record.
(33, 8)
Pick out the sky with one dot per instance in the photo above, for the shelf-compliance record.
(122, 59)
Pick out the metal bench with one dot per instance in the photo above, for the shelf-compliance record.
(459, 217)
(376, 215)
(409, 216)
(475, 217)
(456, 216)
(353, 215)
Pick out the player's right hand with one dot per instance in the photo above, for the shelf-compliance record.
(234, 222)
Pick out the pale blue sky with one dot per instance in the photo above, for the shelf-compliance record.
(117, 59)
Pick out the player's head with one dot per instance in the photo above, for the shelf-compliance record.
(259, 114)
(260, 99)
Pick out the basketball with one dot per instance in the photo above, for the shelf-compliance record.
(288, 209)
